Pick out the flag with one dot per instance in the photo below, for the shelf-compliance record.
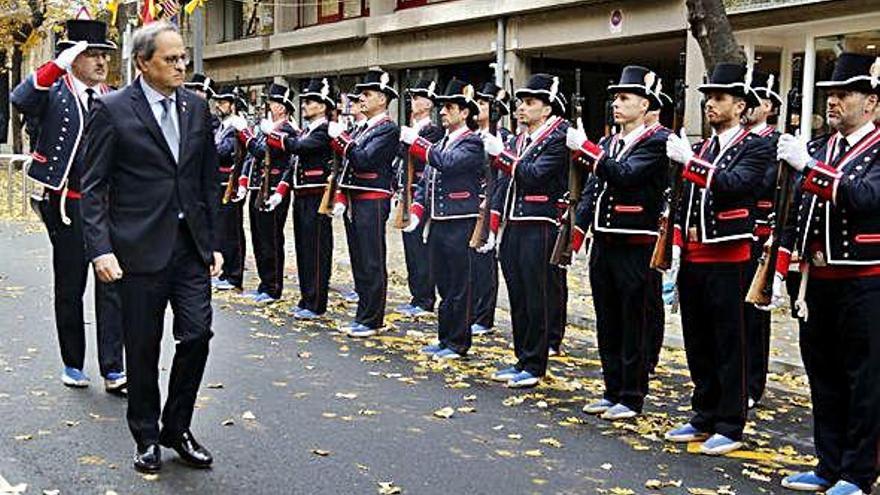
(192, 5)
(148, 12)
(113, 8)
(170, 8)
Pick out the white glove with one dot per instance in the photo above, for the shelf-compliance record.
(408, 135)
(678, 148)
(492, 144)
(575, 136)
(68, 55)
(777, 300)
(338, 209)
(274, 200)
(794, 151)
(676, 264)
(335, 129)
(413, 224)
(490, 244)
(266, 126)
(237, 122)
(240, 194)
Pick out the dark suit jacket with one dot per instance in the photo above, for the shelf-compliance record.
(133, 190)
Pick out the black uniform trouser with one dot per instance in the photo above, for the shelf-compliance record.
(484, 287)
(656, 318)
(559, 317)
(267, 234)
(534, 290)
(622, 295)
(713, 324)
(70, 269)
(840, 346)
(757, 335)
(365, 228)
(232, 241)
(418, 269)
(313, 240)
(185, 284)
(451, 269)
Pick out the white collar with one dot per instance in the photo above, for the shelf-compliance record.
(154, 96)
(727, 136)
(550, 121)
(452, 136)
(81, 87)
(375, 119)
(633, 135)
(758, 128)
(859, 133)
(314, 124)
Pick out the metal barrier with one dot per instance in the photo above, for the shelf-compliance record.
(16, 164)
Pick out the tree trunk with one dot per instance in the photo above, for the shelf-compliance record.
(711, 28)
(4, 98)
(14, 80)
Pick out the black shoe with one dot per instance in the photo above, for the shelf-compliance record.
(148, 459)
(189, 450)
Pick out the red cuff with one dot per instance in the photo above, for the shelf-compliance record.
(677, 239)
(244, 136)
(341, 198)
(583, 160)
(592, 150)
(699, 172)
(340, 143)
(47, 74)
(505, 162)
(494, 221)
(243, 181)
(822, 180)
(282, 188)
(419, 149)
(417, 210)
(577, 239)
(783, 260)
(276, 140)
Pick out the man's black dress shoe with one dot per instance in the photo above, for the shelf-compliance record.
(189, 450)
(148, 459)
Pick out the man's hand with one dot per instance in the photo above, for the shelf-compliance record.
(408, 135)
(237, 122)
(793, 150)
(490, 244)
(575, 136)
(678, 148)
(777, 300)
(338, 210)
(217, 265)
(335, 129)
(266, 126)
(492, 144)
(107, 268)
(274, 200)
(240, 193)
(68, 55)
(413, 224)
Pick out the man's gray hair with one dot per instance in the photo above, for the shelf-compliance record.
(143, 41)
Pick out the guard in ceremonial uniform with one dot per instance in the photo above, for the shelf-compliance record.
(365, 197)
(757, 321)
(713, 239)
(58, 97)
(529, 216)
(312, 231)
(484, 284)
(626, 199)
(230, 152)
(837, 228)
(447, 203)
(418, 270)
(267, 222)
(203, 86)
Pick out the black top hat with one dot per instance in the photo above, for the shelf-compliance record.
(201, 82)
(94, 32)
(546, 88)
(855, 72)
(423, 87)
(461, 93)
(232, 94)
(765, 86)
(378, 80)
(733, 79)
(321, 91)
(640, 81)
(280, 94)
(492, 92)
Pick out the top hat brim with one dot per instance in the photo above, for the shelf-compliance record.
(284, 101)
(388, 90)
(766, 94)
(197, 86)
(654, 102)
(736, 89)
(862, 84)
(543, 95)
(318, 97)
(421, 92)
(104, 45)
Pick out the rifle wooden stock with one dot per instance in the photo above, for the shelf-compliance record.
(562, 254)
(761, 289)
(661, 257)
(401, 215)
(232, 180)
(481, 229)
(263, 195)
(328, 200)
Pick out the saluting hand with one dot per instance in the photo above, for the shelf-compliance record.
(68, 55)
(575, 135)
(107, 268)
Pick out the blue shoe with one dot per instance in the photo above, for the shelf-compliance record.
(415, 312)
(404, 308)
(806, 482)
(360, 331)
(263, 298)
(719, 444)
(444, 354)
(223, 285)
(215, 281)
(598, 407)
(351, 296)
(250, 294)
(305, 314)
(504, 375)
(685, 434)
(431, 349)
(523, 379)
(843, 487)
(115, 382)
(477, 329)
(73, 377)
(617, 412)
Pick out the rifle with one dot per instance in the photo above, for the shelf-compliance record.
(405, 196)
(238, 158)
(761, 290)
(609, 112)
(562, 254)
(482, 229)
(328, 200)
(661, 258)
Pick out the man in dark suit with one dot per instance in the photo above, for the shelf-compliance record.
(149, 208)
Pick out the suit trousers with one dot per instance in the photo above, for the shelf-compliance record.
(313, 241)
(267, 234)
(757, 336)
(534, 290)
(623, 291)
(365, 229)
(713, 324)
(418, 269)
(451, 268)
(840, 347)
(484, 286)
(70, 270)
(230, 234)
(184, 284)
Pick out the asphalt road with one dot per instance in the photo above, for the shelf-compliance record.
(287, 408)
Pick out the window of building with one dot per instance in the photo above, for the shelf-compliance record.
(408, 4)
(327, 11)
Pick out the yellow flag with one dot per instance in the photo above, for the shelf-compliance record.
(192, 5)
(112, 7)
